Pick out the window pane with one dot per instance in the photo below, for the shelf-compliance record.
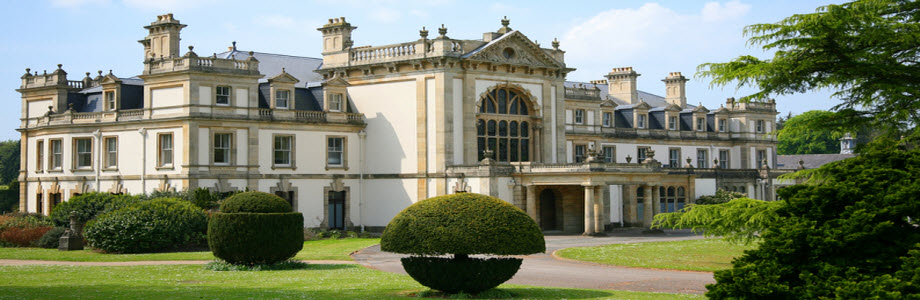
(491, 129)
(523, 108)
(502, 128)
(480, 147)
(503, 149)
(481, 127)
(492, 146)
(525, 149)
(514, 150)
(502, 102)
(525, 131)
(513, 128)
(514, 107)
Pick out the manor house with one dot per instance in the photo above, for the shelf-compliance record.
(354, 137)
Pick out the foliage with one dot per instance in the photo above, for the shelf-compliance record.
(218, 265)
(803, 134)
(866, 51)
(740, 220)
(204, 198)
(463, 223)
(9, 162)
(149, 226)
(721, 196)
(51, 239)
(255, 202)
(23, 220)
(88, 206)
(255, 238)
(855, 234)
(310, 234)
(470, 275)
(23, 237)
(9, 197)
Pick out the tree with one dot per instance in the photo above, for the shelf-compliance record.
(9, 161)
(802, 134)
(853, 234)
(739, 220)
(865, 51)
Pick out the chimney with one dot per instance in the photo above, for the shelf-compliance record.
(336, 35)
(676, 89)
(622, 84)
(163, 37)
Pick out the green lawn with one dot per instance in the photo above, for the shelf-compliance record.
(192, 281)
(694, 255)
(312, 250)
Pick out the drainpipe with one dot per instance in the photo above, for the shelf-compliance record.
(362, 135)
(98, 134)
(143, 133)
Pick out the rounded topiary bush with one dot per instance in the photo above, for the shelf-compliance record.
(150, 226)
(255, 228)
(88, 206)
(254, 202)
(51, 239)
(462, 224)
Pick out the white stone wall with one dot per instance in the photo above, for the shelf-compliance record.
(392, 130)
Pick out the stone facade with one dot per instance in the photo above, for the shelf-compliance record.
(353, 138)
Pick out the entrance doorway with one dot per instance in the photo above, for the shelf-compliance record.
(548, 210)
(289, 196)
(336, 212)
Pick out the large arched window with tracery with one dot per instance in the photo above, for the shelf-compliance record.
(503, 125)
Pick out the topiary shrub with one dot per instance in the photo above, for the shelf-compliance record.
(254, 202)
(88, 206)
(462, 224)
(150, 226)
(255, 228)
(23, 237)
(22, 229)
(51, 239)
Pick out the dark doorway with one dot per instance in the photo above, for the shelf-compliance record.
(336, 210)
(289, 196)
(38, 203)
(547, 210)
(55, 200)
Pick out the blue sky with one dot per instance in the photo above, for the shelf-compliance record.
(654, 37)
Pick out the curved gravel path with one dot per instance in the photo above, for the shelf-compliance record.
(546, 270)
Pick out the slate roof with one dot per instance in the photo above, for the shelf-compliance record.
(271, 64)
(652, 99)
(811, 161)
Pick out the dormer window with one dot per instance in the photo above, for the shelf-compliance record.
(672, 123)
(700, 124)
(223, 95)
(608, 119)
(640, 123)
(110, 100)
(335, 102)
(282, 99)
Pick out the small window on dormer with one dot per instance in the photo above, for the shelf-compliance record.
(641, 121)
(110, 100)
(282, 99)
(672, 123)
(700, 124)
(335, 103)
(721, 125)
(608, 119)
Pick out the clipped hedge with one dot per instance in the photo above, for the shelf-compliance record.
(88, 206)
(51, 239)
(150, 226)
(255, 238)
(463, 223)
(472, 275)
(255, 202)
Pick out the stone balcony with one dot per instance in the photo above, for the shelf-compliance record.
(192, 62)
(69, 117)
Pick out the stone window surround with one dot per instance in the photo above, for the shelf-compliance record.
(39, 155)
(325, 222)
(75, 154)
(160, 164)
(672, 159)
(609, 158)
(607, 119)
(584, 154)
(106, 164)
(726, 163)
(760, 126)
(702, 162)
(641, 121)
(640, 155)
(292, 162)
(336, 99)
(672, 122)
(578, 116)
(232, 150)
(344, 164)
(274, 98)
(51, 155)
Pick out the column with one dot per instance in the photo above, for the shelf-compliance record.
(656, 198)
(589, 210)
(631, 211)
(532, 202)
(647, 211)
(599, 211)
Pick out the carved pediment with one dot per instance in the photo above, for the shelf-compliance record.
(109, 78)
(608, 103)
(642, 106)
(516, 49)
(336, 81)
(284, 77)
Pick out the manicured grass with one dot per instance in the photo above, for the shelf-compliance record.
(693, 255)
(312, 250)
(192, 281)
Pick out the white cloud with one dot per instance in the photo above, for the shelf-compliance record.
(715, 11)
(77, 3)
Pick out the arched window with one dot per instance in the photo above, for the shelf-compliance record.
(502, 125)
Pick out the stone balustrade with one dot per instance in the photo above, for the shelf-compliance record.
(70, 117)
(196, 63)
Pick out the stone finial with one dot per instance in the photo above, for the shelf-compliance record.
(423, 33)
(628, 159)
(715, 163)
(234, 46)
(59, 66)
(443, 32)
(27, 75)
(505, 21)
(505, 29)
(70, 106)
(252, 56)
(649, 156)
(688, 165)
(555, 44)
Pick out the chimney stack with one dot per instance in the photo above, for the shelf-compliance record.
(676, 86)
(621, 83)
